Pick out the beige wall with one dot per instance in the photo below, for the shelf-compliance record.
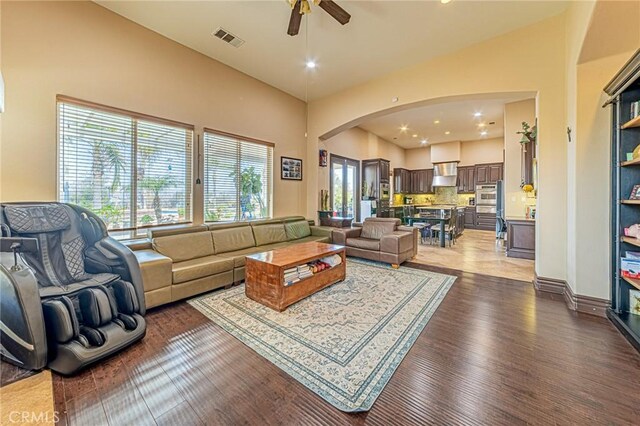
(82, 50)
(358, 144)
(495, 66)
(597, 33)
(445, 152)
(482, 151)
(593, 168)
(418, 158)
(578, 19)
(514, 114)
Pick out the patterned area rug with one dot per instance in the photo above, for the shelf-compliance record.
(345, 342)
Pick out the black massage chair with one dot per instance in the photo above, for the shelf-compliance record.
(69, 294)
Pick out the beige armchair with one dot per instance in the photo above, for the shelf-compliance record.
(380, 239)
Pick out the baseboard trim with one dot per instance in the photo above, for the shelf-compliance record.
(549, 285)
(575, 302)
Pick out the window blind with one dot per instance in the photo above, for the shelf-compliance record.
(238, 176)
(132, 172)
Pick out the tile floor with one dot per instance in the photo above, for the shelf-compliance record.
(478, 252)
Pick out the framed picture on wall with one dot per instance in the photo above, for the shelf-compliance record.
(322, 161)
(290, 168)
(635, 193)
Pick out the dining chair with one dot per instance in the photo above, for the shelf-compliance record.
(450, 230)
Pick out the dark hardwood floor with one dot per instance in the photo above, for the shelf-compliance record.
(493, 353)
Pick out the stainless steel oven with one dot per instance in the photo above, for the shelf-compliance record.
(385, 191)
(486, 195)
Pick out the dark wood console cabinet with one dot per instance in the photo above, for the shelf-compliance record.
(521, 238)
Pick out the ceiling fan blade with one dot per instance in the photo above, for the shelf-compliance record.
(338, 13)
(294, 21)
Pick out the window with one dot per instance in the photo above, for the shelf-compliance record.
(238, 174)
(133, 171)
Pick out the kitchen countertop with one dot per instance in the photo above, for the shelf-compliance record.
(414, 205)
(518, 219)
(436, 206)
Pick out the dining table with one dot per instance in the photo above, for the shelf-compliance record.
(439, 216)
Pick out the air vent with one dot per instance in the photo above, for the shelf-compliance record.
(227, 37)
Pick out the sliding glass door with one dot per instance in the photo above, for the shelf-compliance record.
(345, 186)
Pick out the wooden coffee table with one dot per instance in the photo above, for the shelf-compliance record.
(264, 273)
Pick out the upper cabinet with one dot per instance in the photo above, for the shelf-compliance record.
(385, 170)
(401, 181)
(375, 171)
(488, 173)
(466, 179)
(421, 181)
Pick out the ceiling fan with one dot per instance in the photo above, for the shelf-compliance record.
(301, 7)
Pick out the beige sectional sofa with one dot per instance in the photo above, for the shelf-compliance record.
(185, 261)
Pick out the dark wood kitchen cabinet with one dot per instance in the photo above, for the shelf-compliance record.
(467, 180)
(486, 221)
(521, 238)
(422, 184)
(488, 173)
(414, 182)
(385, 170)
(401, 181)
(470, 217)
(429, 184)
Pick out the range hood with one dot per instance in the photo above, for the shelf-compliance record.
(445, 174)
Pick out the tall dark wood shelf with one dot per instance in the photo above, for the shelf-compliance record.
(624, 90)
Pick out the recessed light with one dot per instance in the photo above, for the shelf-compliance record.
(483, 133)
(436, 122)
(404, 128)
(311, 64)
(423, 141)
(445, 1)
(415, 135)
(447, 132)
(477, 114)
(481, 124)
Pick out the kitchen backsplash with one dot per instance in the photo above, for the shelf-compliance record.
(449, 197)
(446, 195)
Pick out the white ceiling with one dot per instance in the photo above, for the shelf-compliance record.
(457, 117)
(382, 36)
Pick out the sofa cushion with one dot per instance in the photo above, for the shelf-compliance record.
(269, 233)
(286, 219)
(239, 256)
(298, 229)
(232, 239)
(318, 238)
(364, 243)
(200, 267)
(185, 246)
(165, 231)
(375, 229)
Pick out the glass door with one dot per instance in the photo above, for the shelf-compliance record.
(344, 181)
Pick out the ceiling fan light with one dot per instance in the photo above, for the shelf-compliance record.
(292, 3)
(317, 2)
